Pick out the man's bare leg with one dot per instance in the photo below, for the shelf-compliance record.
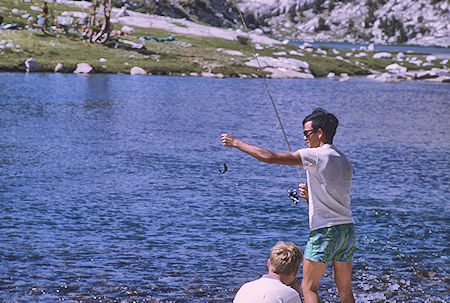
(312, 273)
(343, 278)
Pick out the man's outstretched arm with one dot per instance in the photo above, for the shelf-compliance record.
(262, 154)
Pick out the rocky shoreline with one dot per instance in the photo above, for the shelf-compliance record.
(192, 49)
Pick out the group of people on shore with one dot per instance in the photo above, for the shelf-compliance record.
(332, 232)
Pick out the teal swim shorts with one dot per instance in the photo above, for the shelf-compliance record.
(335, 243)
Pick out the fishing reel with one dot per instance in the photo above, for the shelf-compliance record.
(293, 194)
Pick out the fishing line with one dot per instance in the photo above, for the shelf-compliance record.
(291, 193)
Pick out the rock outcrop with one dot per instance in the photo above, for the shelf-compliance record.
(83, 68)
(419, 22)
(136, 70)
(31, 65)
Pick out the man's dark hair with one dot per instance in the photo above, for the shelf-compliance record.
(324, 120)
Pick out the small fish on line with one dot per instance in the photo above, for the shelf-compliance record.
(225, 168)
(293, 194)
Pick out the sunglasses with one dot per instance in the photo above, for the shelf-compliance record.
(307, 133)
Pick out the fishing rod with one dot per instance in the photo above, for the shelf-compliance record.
(293, 192)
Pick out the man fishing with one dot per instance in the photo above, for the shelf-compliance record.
(329, 176)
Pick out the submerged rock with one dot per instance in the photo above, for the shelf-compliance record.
(287, 73)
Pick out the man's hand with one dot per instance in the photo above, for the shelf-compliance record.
(303, 189)
(228, 140)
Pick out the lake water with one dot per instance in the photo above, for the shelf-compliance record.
(110, 189)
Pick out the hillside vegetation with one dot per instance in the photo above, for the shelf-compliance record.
(145, 41)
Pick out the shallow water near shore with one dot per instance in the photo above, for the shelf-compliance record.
(110, 189)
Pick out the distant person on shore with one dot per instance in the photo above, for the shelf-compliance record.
(279, 285)
(329, 176)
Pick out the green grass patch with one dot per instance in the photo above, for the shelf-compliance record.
(160, 58)
(179, 24)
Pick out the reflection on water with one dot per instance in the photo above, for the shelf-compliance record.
(109, 187)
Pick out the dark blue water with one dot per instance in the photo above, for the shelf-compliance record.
(110, 189)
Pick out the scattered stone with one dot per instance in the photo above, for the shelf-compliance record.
(132, 44)
(102, 60)
(430, 58)
(426, 273)
(321, 51)
(122, 12)
(344, 78)
(382, 55)
(59, 68)
(396, 68)
(287, 73)
(400, 56)
(259, 47)
(83, 68)
(31, 65)
(441, 79)
(233, 52)
(361, 54)
(127, 29)
(288, 63)
(136, 70)
(212, 75)
(385, 77)
(415, 61)
(296, 53)
(422, 75)
(258, 31)
(331, 75)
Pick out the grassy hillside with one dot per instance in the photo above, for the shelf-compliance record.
(187, 54)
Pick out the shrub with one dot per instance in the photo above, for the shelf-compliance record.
(243, 39)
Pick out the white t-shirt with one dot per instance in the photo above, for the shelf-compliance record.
(266, 289)
(329, 175)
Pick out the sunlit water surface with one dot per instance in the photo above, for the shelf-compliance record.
(110, 189)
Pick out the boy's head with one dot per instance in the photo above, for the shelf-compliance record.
(321, 119)
(285, 258)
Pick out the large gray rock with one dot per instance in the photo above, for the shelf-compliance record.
(396, 68)
(426, 74)
(83, 68)
(31, 65)
(382, 55)
(442, 79)
(136, 70)
(281, 72)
